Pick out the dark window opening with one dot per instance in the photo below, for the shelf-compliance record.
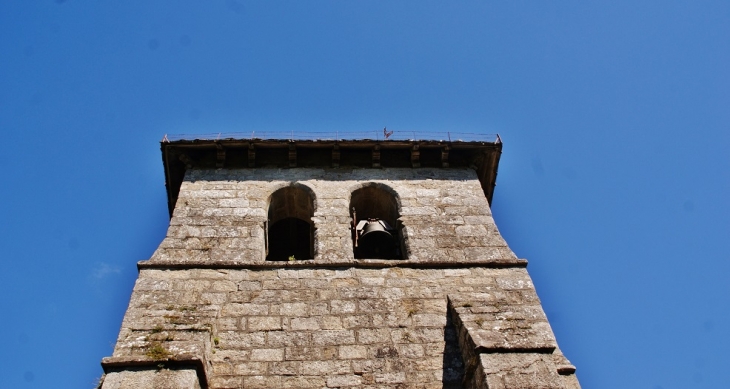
(290, 231)
(376, 230)
(289, 239)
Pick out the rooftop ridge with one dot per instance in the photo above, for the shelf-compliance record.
(336, 135)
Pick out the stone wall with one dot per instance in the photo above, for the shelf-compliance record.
(220, 214)
(461, 311)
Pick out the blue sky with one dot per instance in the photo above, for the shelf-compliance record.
(613, 182)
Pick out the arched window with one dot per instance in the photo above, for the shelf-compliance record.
(375, 226)
(290, 231)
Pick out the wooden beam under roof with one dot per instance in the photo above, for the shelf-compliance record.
(180, 155)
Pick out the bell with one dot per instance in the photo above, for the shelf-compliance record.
(376, 238)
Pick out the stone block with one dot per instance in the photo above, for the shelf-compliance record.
(471, 230)
(287, 368)
(515, 281)
(429, 320)
(412, 351)
(267, 354)
(368, 365)
(249, 285)
(375, 281)
(371, 336)
(326, 368)
(250, 368)
(330, 322)
(288, 338)
(264, 323)
(310, 353)
(265, 296)
(376, 305)
(225, 382)
(353, 352)
(247, 309)
(479, 219)
(233, 203)
(304, 323)
(340, 381)
(241, 340)
(294, 309)
(262, 381)
(224, 286)
(333, 337)
(390, 378)
(154, 378)
(356, 321)
(303, 382)
(228, 324)
(520, 370)
(342, 306)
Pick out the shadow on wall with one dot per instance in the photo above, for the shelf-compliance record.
(453, 374)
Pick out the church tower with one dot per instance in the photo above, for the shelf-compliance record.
(334, 263)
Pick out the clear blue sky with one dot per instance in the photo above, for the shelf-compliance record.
(614, 180)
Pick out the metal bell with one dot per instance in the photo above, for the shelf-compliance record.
(375, 238)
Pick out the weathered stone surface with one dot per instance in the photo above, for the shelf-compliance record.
(152, 378)
(508, 345)
(500, 325)
(444, 213)
(459, 310)
(329, 336)
(520, 371)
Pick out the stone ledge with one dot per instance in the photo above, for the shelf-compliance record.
(517, 371)
(117, 364)
(566, 369)
(314, 264)
(510, 328)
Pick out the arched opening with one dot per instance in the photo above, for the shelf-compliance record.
(290, 231)
(375, 226)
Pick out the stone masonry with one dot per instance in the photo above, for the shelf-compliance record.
(460, 311)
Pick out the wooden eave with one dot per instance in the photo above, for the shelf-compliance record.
(180, 155)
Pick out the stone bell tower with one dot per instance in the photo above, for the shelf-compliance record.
(334, 264)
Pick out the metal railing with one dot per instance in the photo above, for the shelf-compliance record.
(380, 135)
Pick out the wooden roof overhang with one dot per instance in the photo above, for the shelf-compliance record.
(180, 155)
